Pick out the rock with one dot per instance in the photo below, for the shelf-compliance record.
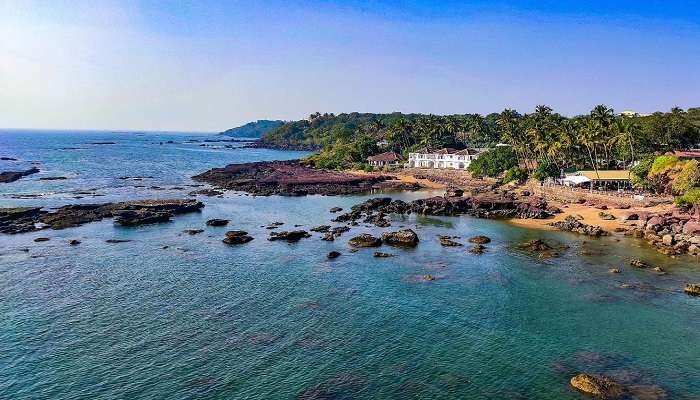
(333, 254)
(454, 192)
(217, 222)
(614, 270)
(237, 237)
(692, 289)
(114, 241)
(480, 239)
(289, 236)
(335, 209)
(598, 386)
(691, 227)
(379, 254)
(193, 231)
(42, 239)
(365, 240)
(477, 249)
(606, 216)
(659, 269)
(404, 238)
(206, 192)
(328, 236)
(11, 176)
(321, 228)
(428, 278)
(74, 242)
(631, 217)
(446, 241)
(667, 240)
(637, 263)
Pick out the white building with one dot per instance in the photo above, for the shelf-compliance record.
(443, 158)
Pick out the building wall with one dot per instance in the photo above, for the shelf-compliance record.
(440, 161)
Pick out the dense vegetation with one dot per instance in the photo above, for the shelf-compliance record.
(542, 143)
(598, 140)
(253, 129)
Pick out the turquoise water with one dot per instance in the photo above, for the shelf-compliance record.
(270, 320)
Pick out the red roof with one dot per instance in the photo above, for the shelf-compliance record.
(687, 154)
(386, 157)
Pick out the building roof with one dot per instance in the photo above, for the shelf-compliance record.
(687, 154)
(386, 157)
(448, 150)
(605, 175)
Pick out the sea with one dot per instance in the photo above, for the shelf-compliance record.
(167, 315)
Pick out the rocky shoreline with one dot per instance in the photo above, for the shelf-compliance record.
(674, 232)
(293, 178)
(131, 213)
(259, 144)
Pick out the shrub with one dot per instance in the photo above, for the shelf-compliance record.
(687, 178)
(690, 198)
(640, 173)
(515, 174)
(662, 163)
(492, 163)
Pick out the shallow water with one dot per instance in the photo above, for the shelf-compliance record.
(203, 320)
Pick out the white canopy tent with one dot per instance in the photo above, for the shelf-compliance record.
(574, 180)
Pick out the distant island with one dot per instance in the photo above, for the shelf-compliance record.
(253, 129)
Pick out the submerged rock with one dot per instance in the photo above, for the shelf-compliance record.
(11, 176)
(598, 386)
(477, 249)
(321, 228)
(365, 240)
(404, 238)
(328, 236)
(446, 241)
(379, 254)
(237, 237)
(428, 278)
(74, 242)
(193, 231)
(42, 239)
(335, 209)
(289, 236)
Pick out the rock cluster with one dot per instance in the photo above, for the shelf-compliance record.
(674, 232)
(692, 289)
(131, 213)
(573, 224)
(489, 205)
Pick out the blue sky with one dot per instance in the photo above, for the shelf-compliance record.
(207, 66)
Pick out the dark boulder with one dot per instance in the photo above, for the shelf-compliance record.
(11, 176)
(217, 222)
(139, 217)
(333, 254)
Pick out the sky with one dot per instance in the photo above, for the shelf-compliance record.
(211, 65)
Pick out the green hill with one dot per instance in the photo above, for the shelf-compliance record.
(253, 129)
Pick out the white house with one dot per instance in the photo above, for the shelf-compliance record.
(443, 158)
